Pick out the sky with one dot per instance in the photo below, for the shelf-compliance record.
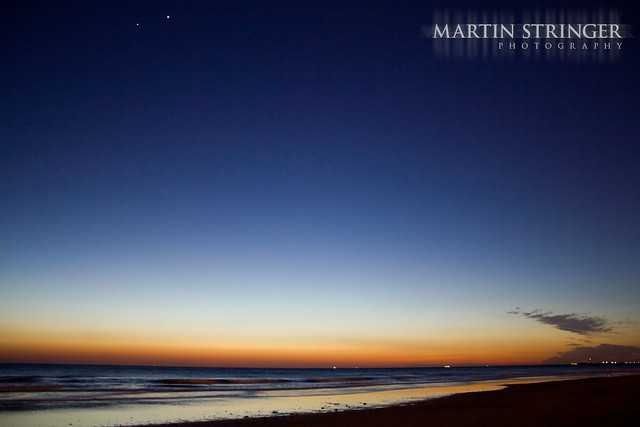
(275, 183)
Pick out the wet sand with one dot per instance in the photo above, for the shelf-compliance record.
(612, 401)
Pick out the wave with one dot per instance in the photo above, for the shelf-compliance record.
(19, 379)
(30, 388)
(339, 380)
(217, 381)
(200, 381)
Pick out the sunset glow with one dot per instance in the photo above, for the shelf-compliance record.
(309, 185)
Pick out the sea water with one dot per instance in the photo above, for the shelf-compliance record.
(92, 395)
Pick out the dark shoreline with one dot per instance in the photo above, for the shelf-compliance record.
(605, 401)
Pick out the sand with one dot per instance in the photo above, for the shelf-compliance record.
(611, 401)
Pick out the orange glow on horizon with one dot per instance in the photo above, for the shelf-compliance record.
(167, 354)
(473, 346)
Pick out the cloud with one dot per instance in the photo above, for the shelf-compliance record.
(578, 324)
(601, 353)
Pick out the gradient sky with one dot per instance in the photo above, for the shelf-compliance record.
(267, 183)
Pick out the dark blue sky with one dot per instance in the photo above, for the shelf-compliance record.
(287, 139)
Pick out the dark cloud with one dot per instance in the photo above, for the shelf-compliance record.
(582, 325)
(601, 353)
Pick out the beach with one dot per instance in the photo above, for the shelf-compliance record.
(604, 401)
(108, 395)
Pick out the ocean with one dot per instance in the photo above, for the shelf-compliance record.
(92, 395)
